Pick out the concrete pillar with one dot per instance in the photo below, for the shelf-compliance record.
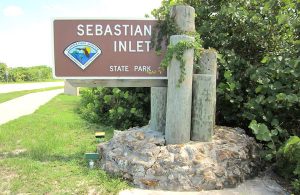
(184, 17)
(204, 98)
(70, 89)
(158, 108)
(179, 98)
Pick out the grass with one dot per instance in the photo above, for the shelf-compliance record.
(12, 95)
(43, 153)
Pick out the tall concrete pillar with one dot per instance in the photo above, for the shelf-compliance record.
(179, 98)
(204, 98)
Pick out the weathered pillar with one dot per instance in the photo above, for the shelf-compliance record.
(70, 89)
(179, 98)
(204, 98)
(158, 108)
(184, 17)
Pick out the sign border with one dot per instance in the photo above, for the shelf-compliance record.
(97, 78)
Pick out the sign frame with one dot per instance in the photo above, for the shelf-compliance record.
(104, 78)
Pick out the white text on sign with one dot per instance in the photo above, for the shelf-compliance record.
(120, 30)
(125, 68)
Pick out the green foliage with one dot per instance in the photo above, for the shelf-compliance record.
(3, 70)
(177, 51)
(258, 63)
(261, 131)
(288, 161)
(270, 138)
(118, 107)
(20, 74)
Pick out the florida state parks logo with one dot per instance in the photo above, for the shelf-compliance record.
(82, 53)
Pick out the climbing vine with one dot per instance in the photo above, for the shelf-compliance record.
(177, 51)
(165, 28)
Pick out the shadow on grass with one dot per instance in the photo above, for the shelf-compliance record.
(78, 158)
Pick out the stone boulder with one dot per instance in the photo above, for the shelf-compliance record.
(141, 156)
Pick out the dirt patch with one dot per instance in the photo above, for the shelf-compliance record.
(6, 176)
(18, 151)
(13, 153)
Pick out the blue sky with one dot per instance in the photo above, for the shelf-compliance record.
(26, 31)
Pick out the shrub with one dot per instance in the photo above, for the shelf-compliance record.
(118, 107)
(3, 69)
(20, 74)
(288, 161)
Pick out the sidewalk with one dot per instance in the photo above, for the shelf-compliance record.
(258, 186)
(6, 88)
(25, 105)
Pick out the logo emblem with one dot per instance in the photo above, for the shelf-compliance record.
(82, 53)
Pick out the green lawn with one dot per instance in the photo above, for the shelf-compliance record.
(12, 95)
(43, 153)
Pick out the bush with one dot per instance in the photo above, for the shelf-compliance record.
(288, 161)
(21, 74)
(3, 69)
(118, 107)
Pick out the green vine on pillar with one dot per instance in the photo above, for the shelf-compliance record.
(177, 51)
(167, 27)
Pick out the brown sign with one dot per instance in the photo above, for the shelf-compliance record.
(105, 49)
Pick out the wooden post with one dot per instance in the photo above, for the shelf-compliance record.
(158, 108)
(70, 89)
(179, 98)
(184, 17)
(204, 98)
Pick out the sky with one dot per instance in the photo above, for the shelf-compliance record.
(26, 37)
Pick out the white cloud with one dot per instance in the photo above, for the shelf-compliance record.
(12, 10)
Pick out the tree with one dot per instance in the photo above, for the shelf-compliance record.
(3, 69)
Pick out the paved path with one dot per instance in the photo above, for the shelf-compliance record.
(25, 105)
(6, 88)
(258, 186)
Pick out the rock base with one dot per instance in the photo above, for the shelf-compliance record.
(141, 156)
